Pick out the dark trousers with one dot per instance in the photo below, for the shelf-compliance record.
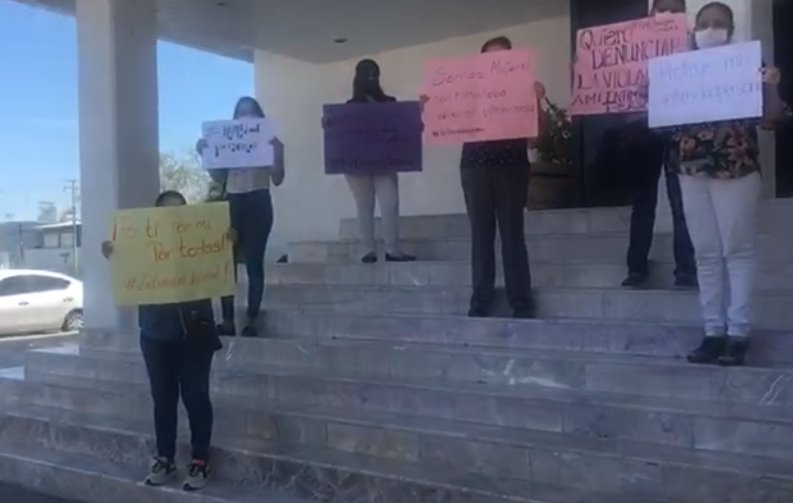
(496, 196)
(252, 219)
(645, 200)
(174, 370)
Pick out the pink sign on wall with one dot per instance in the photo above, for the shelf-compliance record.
(487, 97)
(610, 69)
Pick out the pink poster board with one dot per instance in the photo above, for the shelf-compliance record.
(611, 65)
(487, 97)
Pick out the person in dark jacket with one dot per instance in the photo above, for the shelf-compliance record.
(495, 179)
(648, 155)
(250, 203)
(178, 342)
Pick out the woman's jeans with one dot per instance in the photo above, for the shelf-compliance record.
(252, 220)
(173, 370)
(721, 216)
(385, 188)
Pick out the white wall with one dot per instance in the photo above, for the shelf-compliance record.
(310, 204)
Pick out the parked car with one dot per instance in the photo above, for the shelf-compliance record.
(39, 301)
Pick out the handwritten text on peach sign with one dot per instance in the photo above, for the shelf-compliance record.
(487, 97)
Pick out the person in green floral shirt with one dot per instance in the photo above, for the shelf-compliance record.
(720, 179)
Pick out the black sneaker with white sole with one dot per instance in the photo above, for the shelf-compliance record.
(197, 475)
(161, 471)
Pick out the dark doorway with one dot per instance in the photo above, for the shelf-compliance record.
(603, 180)
(783, 56)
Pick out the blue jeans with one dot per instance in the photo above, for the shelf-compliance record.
(645, 199)
(177, 370)
(252, 219)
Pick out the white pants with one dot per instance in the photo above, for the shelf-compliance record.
(386, 188)
(721, 217)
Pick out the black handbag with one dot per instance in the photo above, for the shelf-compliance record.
(199, 331)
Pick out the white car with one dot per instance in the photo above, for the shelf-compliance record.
(39, 301)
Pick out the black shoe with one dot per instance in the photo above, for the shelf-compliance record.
(709, 351)
(478, 312)
(250, 331)
(402, 257)
(227, 330)
(735, 352)
(686, 283)
(635, 280)
(369, 258)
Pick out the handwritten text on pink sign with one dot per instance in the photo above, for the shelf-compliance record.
(483, 98)
(610, 70)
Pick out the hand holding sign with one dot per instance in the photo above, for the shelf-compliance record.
(771, 75)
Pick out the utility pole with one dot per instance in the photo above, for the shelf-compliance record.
(73, 187)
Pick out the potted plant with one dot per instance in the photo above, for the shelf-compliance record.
(553, 183)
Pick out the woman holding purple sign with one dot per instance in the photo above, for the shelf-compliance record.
(383, 186)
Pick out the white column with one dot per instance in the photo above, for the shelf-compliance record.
(117, 47)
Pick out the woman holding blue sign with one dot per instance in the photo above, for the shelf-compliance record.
(720, 179)
(384, 186)
(248, 194)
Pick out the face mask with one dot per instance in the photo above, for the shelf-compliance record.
(712, 37)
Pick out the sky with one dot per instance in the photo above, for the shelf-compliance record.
(39, 149)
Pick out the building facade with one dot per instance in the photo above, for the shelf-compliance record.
(301, 64)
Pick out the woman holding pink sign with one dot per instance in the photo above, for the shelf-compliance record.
(495, 179)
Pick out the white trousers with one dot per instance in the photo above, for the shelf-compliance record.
(384, 187)
(721, 217)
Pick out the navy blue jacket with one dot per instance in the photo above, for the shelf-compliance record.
(169, 322)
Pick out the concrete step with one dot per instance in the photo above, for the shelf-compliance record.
(774, 217)
(95, 479)
(770, 276)
(771, 308)
(101, 386)
(336, 475)
(513, 367)
(506, 461)
(609, 248)
(770, 348)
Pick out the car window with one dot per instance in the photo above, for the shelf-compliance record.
(19, 285)
(15, 285)
(46, 284)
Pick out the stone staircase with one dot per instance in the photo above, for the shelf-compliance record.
(371, 386)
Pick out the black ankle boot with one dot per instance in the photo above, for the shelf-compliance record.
(709, 351)
(735, 352)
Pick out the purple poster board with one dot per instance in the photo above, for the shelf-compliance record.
(365, 138)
